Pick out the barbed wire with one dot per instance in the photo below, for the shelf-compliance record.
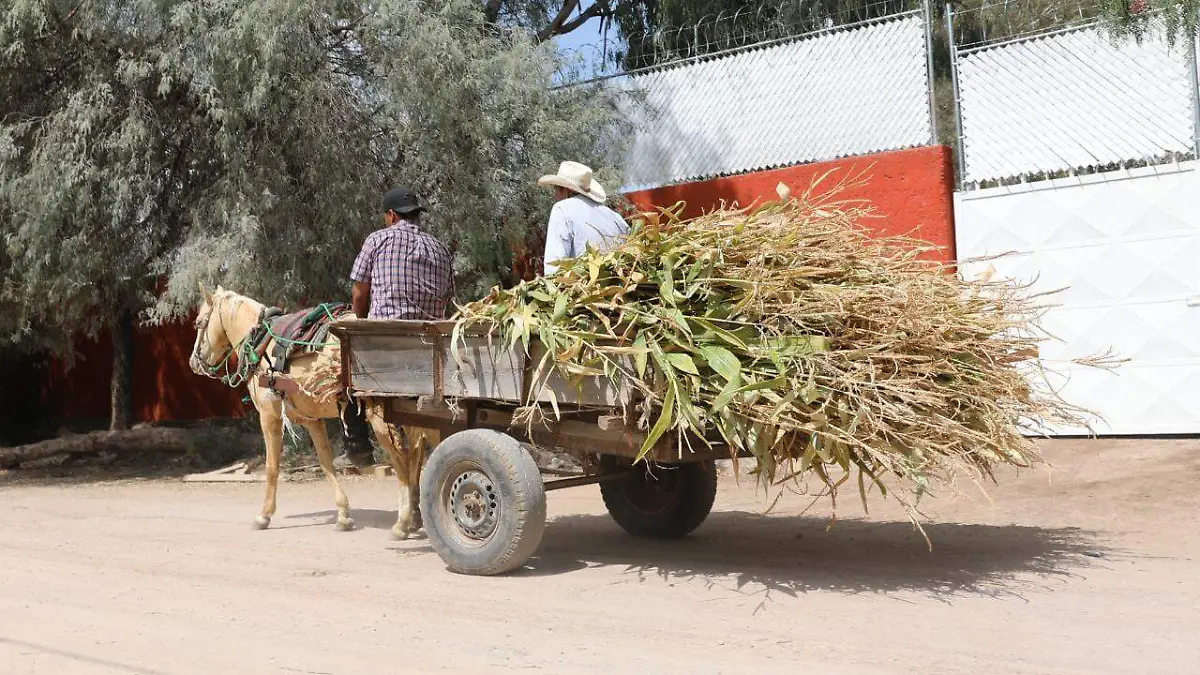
(718, 34)
(992, 22)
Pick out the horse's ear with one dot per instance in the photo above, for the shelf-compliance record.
(204, 291)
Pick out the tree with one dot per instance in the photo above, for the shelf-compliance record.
(148, 145)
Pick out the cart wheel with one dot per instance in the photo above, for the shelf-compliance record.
(483, 502)
(656, 500)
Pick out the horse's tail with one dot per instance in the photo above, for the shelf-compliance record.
(289, 427)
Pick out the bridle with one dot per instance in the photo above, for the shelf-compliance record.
(219, 370)
(245, 350)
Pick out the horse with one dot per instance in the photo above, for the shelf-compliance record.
(223, 324)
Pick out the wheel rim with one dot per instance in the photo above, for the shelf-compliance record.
(654, 491)
(470, 504)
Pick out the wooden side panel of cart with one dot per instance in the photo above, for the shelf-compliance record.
(411, 359)
(415, 364)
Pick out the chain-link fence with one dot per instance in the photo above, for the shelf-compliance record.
(726, 98)
(1068, 96)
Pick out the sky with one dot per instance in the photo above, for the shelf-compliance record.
(587, 38)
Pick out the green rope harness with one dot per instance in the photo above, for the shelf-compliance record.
(247, 351)
(323, 307)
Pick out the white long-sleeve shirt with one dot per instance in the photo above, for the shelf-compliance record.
(574, 223)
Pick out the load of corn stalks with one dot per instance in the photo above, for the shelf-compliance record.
(792, 335)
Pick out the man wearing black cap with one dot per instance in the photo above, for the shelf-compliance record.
(401, 272)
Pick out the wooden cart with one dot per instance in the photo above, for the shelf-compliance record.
(482, 493)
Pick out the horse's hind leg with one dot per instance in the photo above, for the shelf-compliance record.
(418, 442)
(400, 459)
(270, 415)
(316, 429)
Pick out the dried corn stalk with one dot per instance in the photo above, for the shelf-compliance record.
(796, 337)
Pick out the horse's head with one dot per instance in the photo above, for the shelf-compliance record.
(212, 350)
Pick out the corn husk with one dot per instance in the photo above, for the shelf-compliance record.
(793, 335)
(322, 380)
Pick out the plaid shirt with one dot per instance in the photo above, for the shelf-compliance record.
(409, 272)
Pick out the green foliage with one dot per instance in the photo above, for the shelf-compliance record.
(1131, 19)
(150, 144)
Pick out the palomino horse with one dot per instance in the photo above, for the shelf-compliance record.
(225, 321)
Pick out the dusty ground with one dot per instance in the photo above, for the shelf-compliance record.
(1089, 570)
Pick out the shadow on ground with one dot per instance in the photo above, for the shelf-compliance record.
(795, 555)
(372, 519)
(766, 555)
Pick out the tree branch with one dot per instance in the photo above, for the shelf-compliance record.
(492, 10)
(564, 13)
(597, 9)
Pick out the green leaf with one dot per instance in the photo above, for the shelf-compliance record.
(727, 394)
(560, 308)
(641, 358)
(664, 422)
(721, 360)
(683, 362)
(796, 345)
(720, 333)
(688, 410)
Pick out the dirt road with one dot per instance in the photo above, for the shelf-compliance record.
(1092, 569)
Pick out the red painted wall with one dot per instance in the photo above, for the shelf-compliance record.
(912, 192)
(164, 386)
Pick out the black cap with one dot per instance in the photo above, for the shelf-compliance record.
(402, 201)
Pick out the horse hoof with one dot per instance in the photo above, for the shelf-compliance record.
(399, 533)
(262, 523)
(345, 524)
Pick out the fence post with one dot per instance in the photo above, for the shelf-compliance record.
(1193, 67)
(927, 6)
(958, 125)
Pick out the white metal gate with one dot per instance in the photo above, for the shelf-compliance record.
(1127, 244)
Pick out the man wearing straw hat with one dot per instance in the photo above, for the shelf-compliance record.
(580, 216)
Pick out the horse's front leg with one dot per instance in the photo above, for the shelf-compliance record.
(316, 429)
(270, 415)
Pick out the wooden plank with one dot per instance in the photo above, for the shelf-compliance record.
(390, 327)
(569, 434)
(406, 365)
(611, 422)
(392, 363)
(590, 391)
(486, 371)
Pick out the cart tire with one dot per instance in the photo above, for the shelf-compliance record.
(661, 501)
(483, 502)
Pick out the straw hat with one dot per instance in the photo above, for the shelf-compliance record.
(576, 177)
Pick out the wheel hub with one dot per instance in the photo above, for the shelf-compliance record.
(475, 504)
